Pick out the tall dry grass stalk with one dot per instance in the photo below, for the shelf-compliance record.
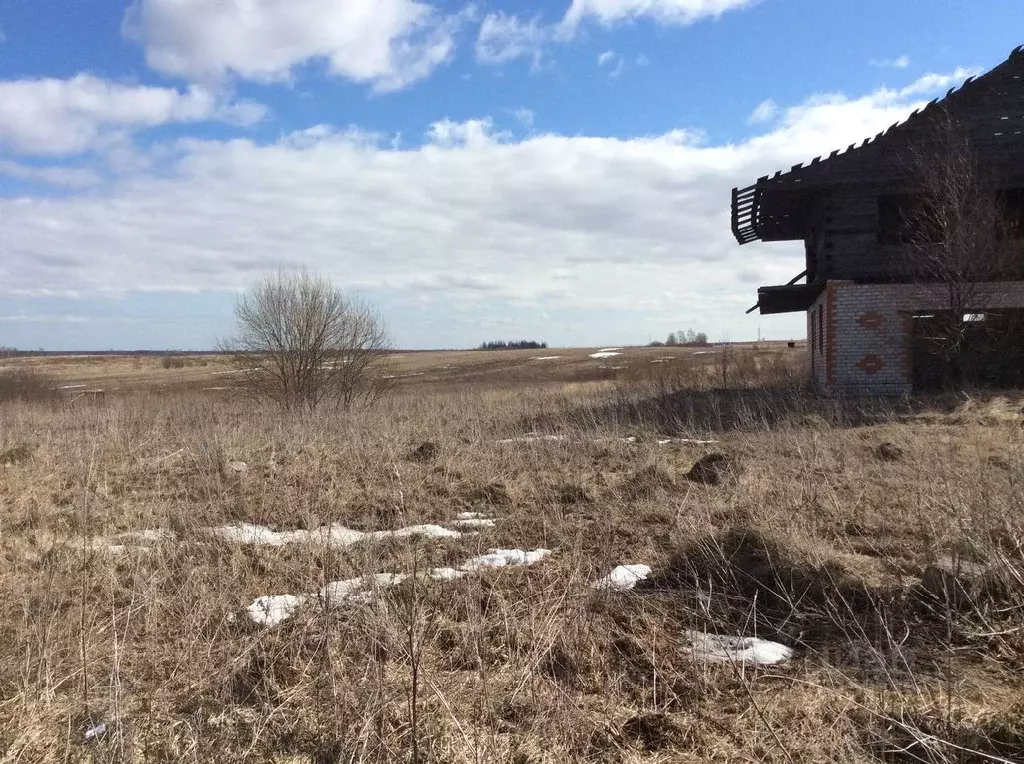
(820, 542)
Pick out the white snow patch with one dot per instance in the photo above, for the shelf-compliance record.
(445, 574)
(232, 371)
(604, 354)
(547, 358)
(701, 352)
(532, 437)
(691, 441)
(70, 387)
(216, 388)
(334, 535)
(360, 589)
(272, 609)
(624, 577)
(476, 522)
(719, 648)
(499, 558)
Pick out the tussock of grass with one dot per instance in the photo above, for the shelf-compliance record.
(815, 541)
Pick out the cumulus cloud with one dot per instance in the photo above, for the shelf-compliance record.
(386, 43)
(663, 11)
(504, 37)
(891, 63)
(71, 177)
(69, 116)
(474, 223)
(765, 111)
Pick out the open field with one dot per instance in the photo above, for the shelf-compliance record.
(211, 580)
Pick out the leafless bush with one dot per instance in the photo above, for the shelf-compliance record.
(26, 385)
(172, 362)
(302, 342)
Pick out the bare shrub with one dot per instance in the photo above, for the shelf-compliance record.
(172, 362)
(301, 342)
(26, 385)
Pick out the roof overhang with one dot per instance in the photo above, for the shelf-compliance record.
(793, 298)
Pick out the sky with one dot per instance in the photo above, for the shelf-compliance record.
(557, 171)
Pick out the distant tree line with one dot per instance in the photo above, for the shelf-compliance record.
(683, 338)
(520, 345)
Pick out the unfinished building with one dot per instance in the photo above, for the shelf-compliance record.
(875, 288)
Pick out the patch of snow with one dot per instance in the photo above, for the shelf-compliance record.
(238, 466)
(95, 731)
(604, 354)
(700, 352)
(334, 535)
(232, 371)
(499, 558)
(624, 577)
(476, 522)
(360, 589)
(154, 535)
(445, 574)
(70, 387)
(532, 437)
(216, 388)
(547, 357)
(608, 350)
(719, 648)
(430, 531)
(272, 609)
(691, 441)
(468, 515)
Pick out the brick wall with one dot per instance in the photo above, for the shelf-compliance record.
(867, 348)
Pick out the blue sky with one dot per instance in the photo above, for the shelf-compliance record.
(558, 170)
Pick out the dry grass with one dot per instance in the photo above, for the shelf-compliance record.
(820, 541)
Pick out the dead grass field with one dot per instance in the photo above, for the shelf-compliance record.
(895, 573)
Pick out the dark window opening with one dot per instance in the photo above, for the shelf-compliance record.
(907, 219)
(1013, 204)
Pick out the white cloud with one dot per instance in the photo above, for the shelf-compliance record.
(766, 111)
(54, 117)
(891, 63)
(386, 43)
(474, 230)
(504, 37)
(605, 57)
(525, 117)
(931, 83)
(663, 11)
(71, 177)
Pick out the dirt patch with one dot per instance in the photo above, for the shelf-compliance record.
(16, 455)
(714, 469)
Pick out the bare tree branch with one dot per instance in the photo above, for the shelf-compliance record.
(301, 342)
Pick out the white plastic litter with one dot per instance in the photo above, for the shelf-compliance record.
(623, 578)
(719, 648)
(95, 731)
